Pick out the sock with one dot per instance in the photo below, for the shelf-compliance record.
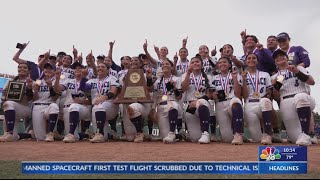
(53, 118)
(101, 120)
(150, 126)
(24, 136)
(83, 136)
(122, 128)
(276, 130)
(113, 124)
(173, 116)
(304, 114)
(137, 122)
(60, 126)
(86, 125)
(267, 116)
(237, 118)
(179, 124)
(213, 124)
(73, 119)
(10, 116)
(204, 115)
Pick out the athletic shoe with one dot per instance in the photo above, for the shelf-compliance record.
(57, 136)
(69, 138)
(303, 140)
(98, 138)
(314, 139)
(276, 138)
(49, 137)
(266, 139)
(31, 132)
(237, 139)
(205, 138)
(7, 137)
(139, 138)
(170, 138)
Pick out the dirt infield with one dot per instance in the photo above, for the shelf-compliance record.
(147, 151)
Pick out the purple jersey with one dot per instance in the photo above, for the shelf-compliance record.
(297, 55)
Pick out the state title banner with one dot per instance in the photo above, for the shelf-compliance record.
(271, 160)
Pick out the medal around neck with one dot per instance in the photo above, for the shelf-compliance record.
(256, 95)
(62, 76)
(280, 78)
(197, 94)
(164, 98)
(38, 82)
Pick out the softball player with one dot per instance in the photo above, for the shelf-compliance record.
(195, 84)
(44, 106)
(108, 61)
(168, 90)
(103, 90)
(135, 113)
(229, 110)
(75, 106)
(296, 104)
(256, 89)
(11, 107)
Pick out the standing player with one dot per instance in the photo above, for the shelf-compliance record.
(256, 89)
(291, 83)
(195, 83)
(229, 110)
(44, 106)
(75, 106)
(168, 95)
(103, 90)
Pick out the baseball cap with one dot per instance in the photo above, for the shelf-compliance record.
(101, 56)
(48, 65)
(62, 53)
(278, 52)
(75, 65)
(283, 35)
(53, 56)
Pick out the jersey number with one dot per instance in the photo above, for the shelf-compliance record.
(296, 84)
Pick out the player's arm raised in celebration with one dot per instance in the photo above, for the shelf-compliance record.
(145, 48)
(57, 86)
(186, 82)
(17, 58)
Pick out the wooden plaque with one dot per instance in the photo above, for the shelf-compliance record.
(134, 88)
(16, 91)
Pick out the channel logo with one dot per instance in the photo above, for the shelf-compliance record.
(270, 154)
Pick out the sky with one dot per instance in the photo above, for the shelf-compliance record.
(58, 25)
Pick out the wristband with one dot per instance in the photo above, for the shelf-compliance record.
(302, 77)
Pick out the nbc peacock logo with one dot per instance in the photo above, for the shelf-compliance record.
(270, 154)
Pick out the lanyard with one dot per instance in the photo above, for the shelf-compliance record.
(100, 85)
(77, 84)
(164, 85)
(197, 82)
(256, 83)
(225, 83)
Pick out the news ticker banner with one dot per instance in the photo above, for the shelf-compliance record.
(272, 160)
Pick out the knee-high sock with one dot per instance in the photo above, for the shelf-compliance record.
(74, 120)
(150, 126)
(101, 120)
(304, 114)
(173, 116)
(10, 116)
(204, 115)
(237, 118)
(113, 124)
(137, 122)
(267, 116)
(179, 124)
(213, 124)
(52, 122)
(60, 126)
